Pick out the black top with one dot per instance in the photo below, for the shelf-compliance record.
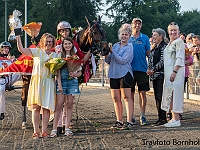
(156, 60)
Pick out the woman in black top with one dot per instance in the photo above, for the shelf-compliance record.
(156, 71)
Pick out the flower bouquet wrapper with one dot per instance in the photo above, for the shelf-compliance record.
(32, 29)
(54, 64)
(73, 63)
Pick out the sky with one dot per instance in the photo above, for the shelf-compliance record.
(186, 5)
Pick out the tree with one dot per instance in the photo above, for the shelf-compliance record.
(154, 13)
(50, 13)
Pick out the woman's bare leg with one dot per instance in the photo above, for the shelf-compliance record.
(36, 118)
(116, 97)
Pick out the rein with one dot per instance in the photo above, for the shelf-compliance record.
(96, 46)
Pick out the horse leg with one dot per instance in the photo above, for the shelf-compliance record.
(26, 81)
(24, 118)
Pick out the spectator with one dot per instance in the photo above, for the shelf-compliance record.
(174, 70)
(121, 77)
(156, 71)
(141, 46)
(41, 95)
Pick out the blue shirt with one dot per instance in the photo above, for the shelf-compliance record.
(120, 61)
(140, 45)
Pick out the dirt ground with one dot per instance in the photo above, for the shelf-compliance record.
(95, 112)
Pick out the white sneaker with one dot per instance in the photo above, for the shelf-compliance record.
(173, 123)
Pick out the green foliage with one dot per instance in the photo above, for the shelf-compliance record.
(50, 13)
(154, 13)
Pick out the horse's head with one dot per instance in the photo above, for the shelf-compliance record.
(93, 37)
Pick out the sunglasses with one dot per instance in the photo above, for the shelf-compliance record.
(173, 23)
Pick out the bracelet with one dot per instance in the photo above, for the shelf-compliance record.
(174, 71)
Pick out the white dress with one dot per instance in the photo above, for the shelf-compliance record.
(42, 85)
(174, 55)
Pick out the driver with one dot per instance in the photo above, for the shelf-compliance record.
(6, 80)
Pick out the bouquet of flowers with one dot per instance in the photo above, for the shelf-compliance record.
(75, 31)
(54, 64)
(73, 63)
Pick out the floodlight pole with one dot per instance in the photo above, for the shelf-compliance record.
(6, 19)
(25, 35)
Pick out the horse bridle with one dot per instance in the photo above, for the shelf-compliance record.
(96, 47)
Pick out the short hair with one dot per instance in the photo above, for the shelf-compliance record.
(173, 24)
(160, 32)
(190, 36)
(126, 29)
(183, 34)
(196, 37)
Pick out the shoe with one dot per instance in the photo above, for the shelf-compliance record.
(127, 126)
(53, 133)
(59, 130)
(143, 121)
(118, 125)
(157, 121)
(2, 116)
(68, 132)
(160, 123)
(134, 121)
(169, 116)
(45, 135)
(36, 136)
(173, 123)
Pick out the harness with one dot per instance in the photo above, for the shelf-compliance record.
(97, 47)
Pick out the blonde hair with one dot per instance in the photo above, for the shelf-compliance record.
(125, 27)
(43, 40)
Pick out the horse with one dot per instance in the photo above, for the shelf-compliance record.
(92, 38)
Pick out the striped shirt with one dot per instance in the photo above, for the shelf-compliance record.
(156, 60)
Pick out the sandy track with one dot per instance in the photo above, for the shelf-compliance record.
(92, 130)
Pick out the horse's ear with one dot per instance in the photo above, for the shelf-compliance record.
(89, 21)
(99, 20)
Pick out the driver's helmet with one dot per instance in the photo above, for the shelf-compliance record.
(63, 25)
(5, 44)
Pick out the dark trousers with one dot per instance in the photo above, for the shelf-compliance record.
(158, 90)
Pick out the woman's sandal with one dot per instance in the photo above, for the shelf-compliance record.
(53, 134)
(36, 136)
(68, 132)
(45, 135)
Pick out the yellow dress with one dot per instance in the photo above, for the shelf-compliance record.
(42, 85)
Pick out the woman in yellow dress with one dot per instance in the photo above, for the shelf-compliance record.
(41, 95)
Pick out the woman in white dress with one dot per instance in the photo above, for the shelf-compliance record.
(41, 94)
(174, 71)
